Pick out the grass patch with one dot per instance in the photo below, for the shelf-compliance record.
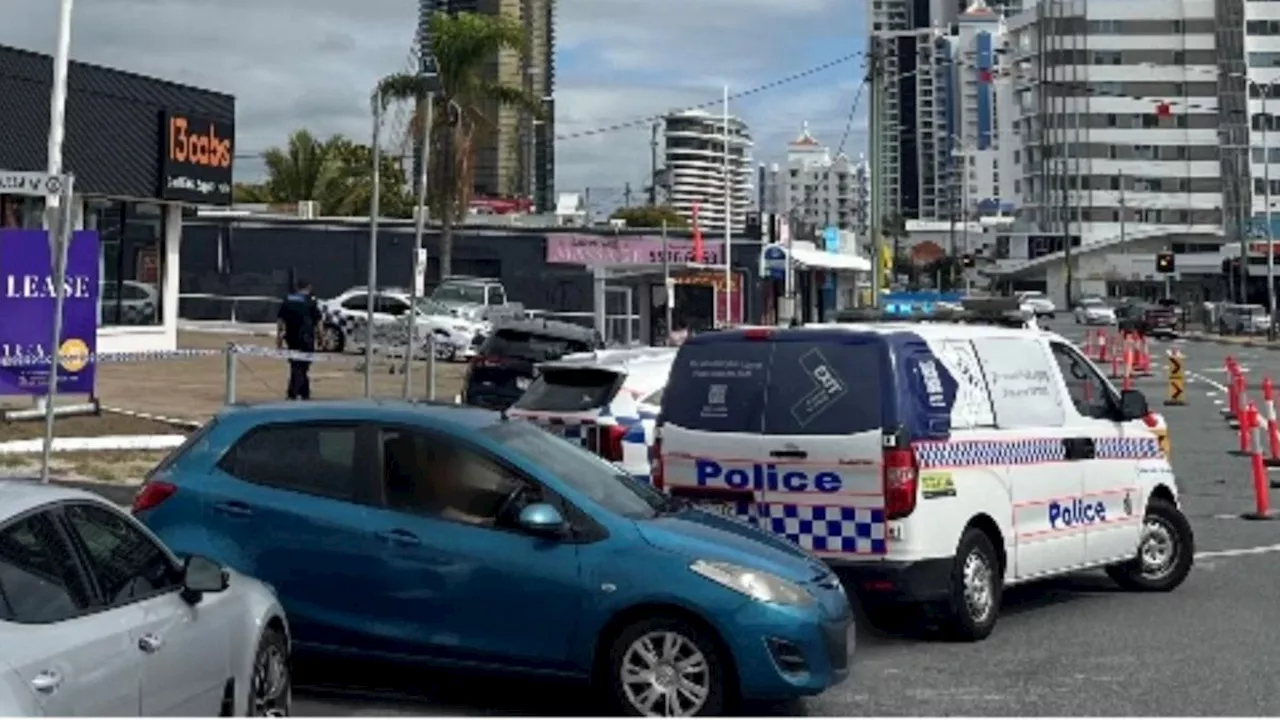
(121, 467)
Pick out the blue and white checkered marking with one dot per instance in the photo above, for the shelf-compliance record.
(828, 529)
(973, 453)
(636, 442)
(1140, 448)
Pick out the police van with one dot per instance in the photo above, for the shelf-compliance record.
(928, 463)
(606, 400)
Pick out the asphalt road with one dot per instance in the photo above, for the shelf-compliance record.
(1075, 646)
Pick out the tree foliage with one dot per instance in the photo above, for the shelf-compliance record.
(463, 98)
(336, 173)
(649, 216)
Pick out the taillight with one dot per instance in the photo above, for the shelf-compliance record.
(486, 361)
(151, 494)
(606, 441)
(655, 461)
(900, 479)
(757, 333)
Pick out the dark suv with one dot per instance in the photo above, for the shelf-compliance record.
(504, 367)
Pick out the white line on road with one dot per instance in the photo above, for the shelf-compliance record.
(1220, 387)
(1238, 552)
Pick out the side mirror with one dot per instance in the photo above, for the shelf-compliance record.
(543, 519)
(201, 575)
(1133, 405)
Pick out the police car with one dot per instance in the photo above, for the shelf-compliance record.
(929, 463)
(607, 400)
(345, 317)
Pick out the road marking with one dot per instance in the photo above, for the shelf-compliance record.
(1238, 552)
(1220, 387)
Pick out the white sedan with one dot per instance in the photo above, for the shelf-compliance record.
(98, 618)
(1093, 311)
(345, 317)
(1037, 303)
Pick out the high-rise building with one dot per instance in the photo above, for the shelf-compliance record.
(813, 189)
(695, 143)
(515, 157)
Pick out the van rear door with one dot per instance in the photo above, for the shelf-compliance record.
(823, 441)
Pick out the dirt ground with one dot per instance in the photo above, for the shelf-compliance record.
(192, 389)
(86, 426)
(124, 468)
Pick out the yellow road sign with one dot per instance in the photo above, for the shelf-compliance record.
(1177, 391)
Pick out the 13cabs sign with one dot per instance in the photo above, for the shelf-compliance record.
(196, 159)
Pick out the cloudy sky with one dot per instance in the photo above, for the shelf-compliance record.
(312, 63)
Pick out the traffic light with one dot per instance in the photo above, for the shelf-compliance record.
(966, 260)
(1164, 262)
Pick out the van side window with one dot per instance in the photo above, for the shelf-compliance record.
(826, 388)
(1088, 391)
(1025, 390)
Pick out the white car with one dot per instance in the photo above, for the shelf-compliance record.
(1093, 311)
(928, 463)
(1038, 303)
(128, 302)
(345, 318)
(98, 618)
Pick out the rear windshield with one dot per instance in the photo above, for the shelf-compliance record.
(784, 388)
(531, 346)
(570, 390)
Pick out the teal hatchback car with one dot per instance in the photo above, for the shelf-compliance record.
(451, 535)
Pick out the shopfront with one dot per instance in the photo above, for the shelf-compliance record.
(142, 152)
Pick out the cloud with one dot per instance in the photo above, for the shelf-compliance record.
(313, 63)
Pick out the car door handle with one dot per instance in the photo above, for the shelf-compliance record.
(150, 643)
(789, 454)
(234, 508)
(399, 537)
(47, 681)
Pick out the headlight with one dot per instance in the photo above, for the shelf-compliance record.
(760, 586)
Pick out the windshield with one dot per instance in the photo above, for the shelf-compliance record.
(472, 294)
(529, 346)
(427, 306)
(601, 481)
(1092, 303)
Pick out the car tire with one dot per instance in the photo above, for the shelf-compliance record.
(1166, 551)
(977, 583)
(332, 339)
(634, 684)
(270, 685)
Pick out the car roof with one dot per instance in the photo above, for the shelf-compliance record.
(926, 330)
(550, 328)
(18, 495)
(464, 416)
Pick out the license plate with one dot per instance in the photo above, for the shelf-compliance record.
(727, 509)
(522, 383)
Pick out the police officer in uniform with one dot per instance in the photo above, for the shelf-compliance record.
(296, 330)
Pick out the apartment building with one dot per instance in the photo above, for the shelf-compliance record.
(814, 189)
(516, 157)
(695, 142)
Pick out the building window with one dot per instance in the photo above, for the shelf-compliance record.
(19, 211)
(131, 235)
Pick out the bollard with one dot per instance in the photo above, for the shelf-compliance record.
(229, 392)
(1261, 486)
(1233, 397)
(1273, 430)
(1177, 380)
(1243, 430)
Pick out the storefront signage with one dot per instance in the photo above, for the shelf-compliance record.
(773, 262)
(196, 159)
(604, 251)
(31, 184)
(27, 297)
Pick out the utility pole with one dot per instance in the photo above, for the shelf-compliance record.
(1266, 213)
(875, 78)
(653, 165)
(626, 195)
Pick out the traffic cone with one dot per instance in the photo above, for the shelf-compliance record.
(1258, 472)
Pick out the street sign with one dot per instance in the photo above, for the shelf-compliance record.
(31, 184)
(1177, 380)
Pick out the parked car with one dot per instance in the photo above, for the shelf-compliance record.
(503, 368)
(1038, 303)
(476, 298)
(98, 618)
(128, 302)
(1236, 319)
(1094, 311)
(346, 317)
(454, 536)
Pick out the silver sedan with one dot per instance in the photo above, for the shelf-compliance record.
(98, 618)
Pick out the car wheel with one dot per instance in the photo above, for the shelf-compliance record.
(667, 667)
(1166, 551)
(977, 583)
(332, 340)
(270, 687)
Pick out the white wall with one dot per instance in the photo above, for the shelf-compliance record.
(165, 335)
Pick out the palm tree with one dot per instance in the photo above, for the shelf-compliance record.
(465, 44)
(302, 170)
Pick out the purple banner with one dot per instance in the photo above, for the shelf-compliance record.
(27, 298)
(602, 251)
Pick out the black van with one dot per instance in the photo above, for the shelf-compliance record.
(504, 367)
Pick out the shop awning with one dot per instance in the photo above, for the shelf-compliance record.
(822, 260)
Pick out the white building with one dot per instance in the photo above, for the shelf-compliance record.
(695, 165)
(814, 189)
(1116, 110)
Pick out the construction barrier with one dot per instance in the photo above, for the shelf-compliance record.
(1142, 356)
(1273, 430)
(1258, 471)
(1177, 380)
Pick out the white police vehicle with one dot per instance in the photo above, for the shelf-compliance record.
(608, 400)
(345, 317)
(929, 463)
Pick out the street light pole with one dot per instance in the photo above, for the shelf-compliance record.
(1266, 213)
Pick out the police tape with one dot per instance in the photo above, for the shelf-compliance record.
(74, 359)
(282, 354)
